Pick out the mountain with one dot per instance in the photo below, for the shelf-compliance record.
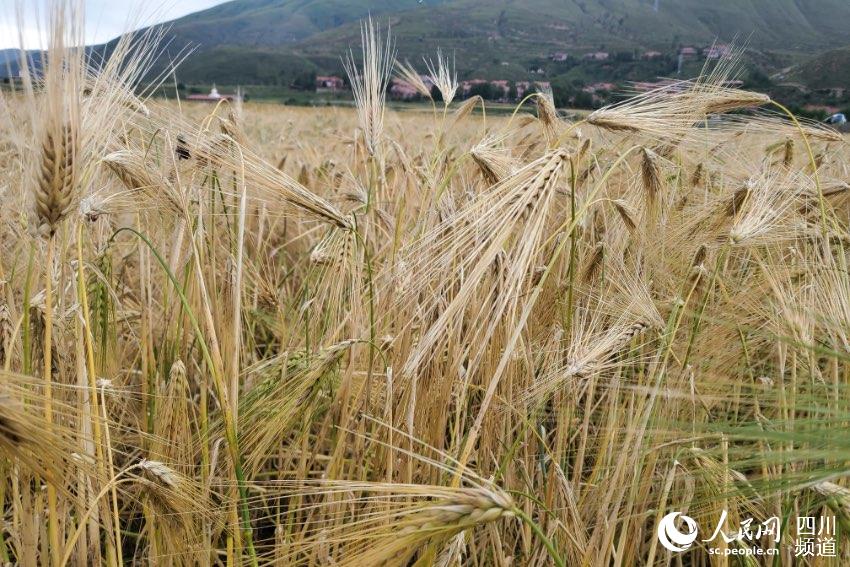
(271, 40)
(786, 25)
(272, 23)
(8, 55)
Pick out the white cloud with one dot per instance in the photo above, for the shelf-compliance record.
(105, 19)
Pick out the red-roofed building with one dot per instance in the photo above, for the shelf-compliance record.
(404, 90)
(467, 86)
(525, 87)
(522, 88)
(599, 87)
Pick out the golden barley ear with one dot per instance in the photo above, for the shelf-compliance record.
(177, 499)
(369, 82)
(443, 76)
(698, 175)
(55, 179)
(130, 168)
(493, 161)
(788, 155)
(626, 214)
(6, 330)
(467, 107)
(46, 449)
(547, 114)
(650, 175)
(593, 263)
(737, 201)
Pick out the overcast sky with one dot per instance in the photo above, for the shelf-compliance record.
(105, 19)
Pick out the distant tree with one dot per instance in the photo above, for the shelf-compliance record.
(562, 96)
(512, 94)
(436, 95)
(583, 100)
(757, 79)
(484, 90)
(305, 81)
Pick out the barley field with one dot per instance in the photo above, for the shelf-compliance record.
(254, 334)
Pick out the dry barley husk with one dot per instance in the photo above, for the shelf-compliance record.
(56, 178)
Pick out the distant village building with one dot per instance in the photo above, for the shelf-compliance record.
(651, 55)
(597, 56)
(559, 56)
(467, 86)
(646, 86)
(405, 91)
(599, 87)
(213, 96)
(521, 87)
(718, 51)
(501, 89)
(332, 83)
(688, 52)
(524, 88)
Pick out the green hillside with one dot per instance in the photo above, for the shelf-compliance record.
(267, 41)
(828, 70)
(795, 49)
(788, 25)
(264, 23)
(783, 25)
